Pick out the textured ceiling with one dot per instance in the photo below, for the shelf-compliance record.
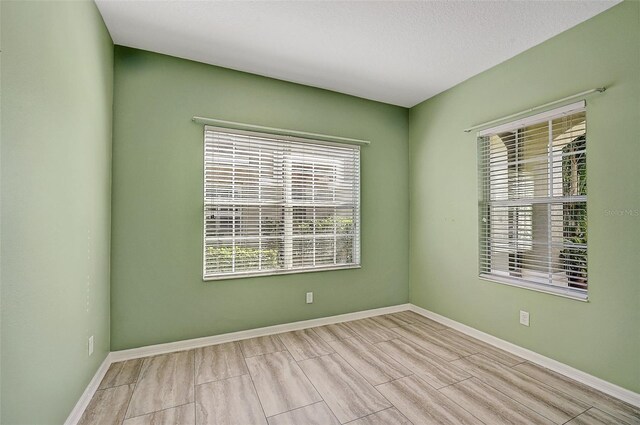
(398, 52)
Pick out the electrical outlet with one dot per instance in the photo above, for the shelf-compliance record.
(309, 297)
(524, 318)
(91, 345)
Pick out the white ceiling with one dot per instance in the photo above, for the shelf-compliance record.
(398, 52)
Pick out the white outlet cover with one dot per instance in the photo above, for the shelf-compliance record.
(91, 345)
(524, 318)
(309, 297)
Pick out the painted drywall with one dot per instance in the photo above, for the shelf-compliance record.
(57, 88)
(158, 294)
(600, 337)
(1, 44)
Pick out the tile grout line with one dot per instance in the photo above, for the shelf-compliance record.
(314, 385)
(262, 354)
(402, 339)
(337, 338)
(397, 379)
(253, 384)
(447, 346)
(438, 390)
(602, 387)
(510, 367)
(236, 336)
(165, 408)
(105, 376)
(320, 338)
(569, 420)
(285, 346)
(358, 335)
(479, 378)
(544, 384)
(158, 411)
(324, 340)
(570, 395)
(455, 350)
(135, 386)
(488, 356)
(487, 383)
(373, 413)
(461, 406)
(220, 379)
(365, 379)
(407, 340)
(393, 406)
(115, 386)
(449, 361)
(510, 398)
(455, 383)
(296, 408)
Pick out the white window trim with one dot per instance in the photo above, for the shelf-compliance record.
(571, 293)
(357, 264)
(536, 287)
(534, 119)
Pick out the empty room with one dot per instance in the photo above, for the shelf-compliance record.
(292, 212)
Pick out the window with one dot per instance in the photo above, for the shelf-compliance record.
(533, 202)
(277, 204)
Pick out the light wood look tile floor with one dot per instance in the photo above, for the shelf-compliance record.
(398, 368)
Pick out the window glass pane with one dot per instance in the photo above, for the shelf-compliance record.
(303, 252)
(276, 205)
(533, 187)
(325, 252)
(570, 155)
(303, 220)
(344, 249)
(325, 222)
(219, 257)
(345, 223)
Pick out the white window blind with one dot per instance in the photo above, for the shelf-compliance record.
(276, 204)
(533, 202)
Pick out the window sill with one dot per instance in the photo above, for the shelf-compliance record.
(547, 289)
(278, 272)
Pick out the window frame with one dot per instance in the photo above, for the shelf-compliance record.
(484, 182)
(357, 244)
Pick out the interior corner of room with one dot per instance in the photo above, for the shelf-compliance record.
(103, 239)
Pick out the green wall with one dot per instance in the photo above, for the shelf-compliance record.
(158, 294)
(600, 337)
(57, 85)
(57, 81)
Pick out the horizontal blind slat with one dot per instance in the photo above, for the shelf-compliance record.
(533, 201)
(278, 205)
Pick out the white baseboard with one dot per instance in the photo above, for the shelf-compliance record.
(87, 395)
(566, 370)
(152, 350)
